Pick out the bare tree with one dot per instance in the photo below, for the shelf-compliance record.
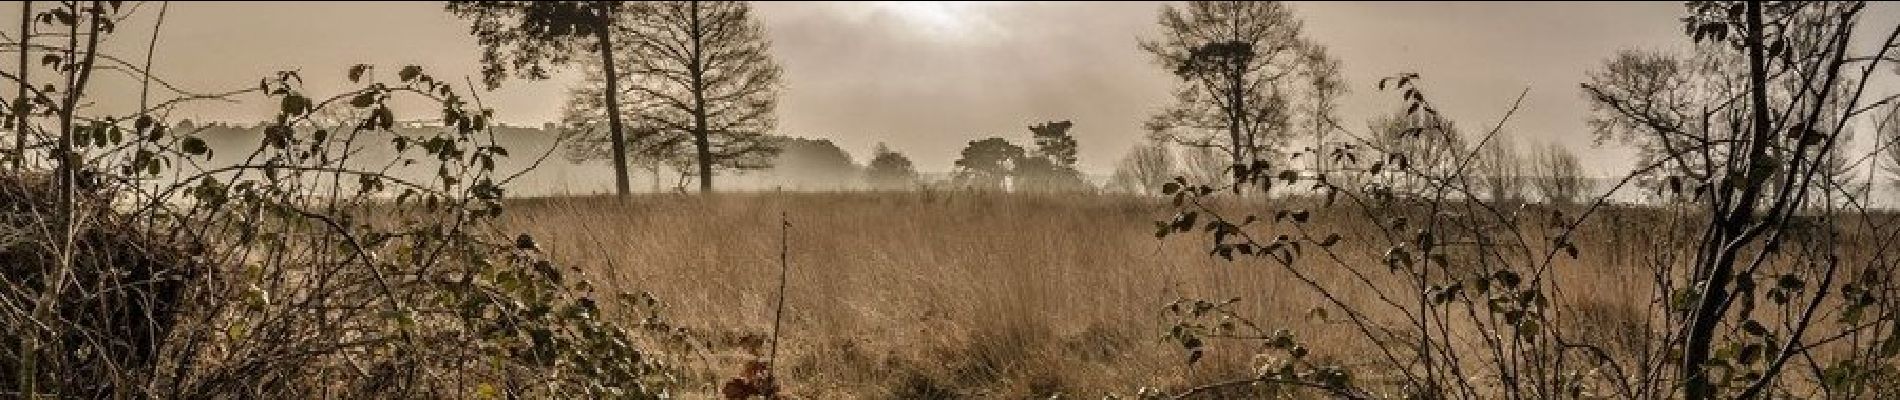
(1754, 131)
(1415, 149)
(585, 135)
(1887, 130)
(1501, 168)
(1237, 61)
(1324, 88)
(1205, 165)
(1557, 175)
(1145, 169)
(703, 71)
(1652, 92)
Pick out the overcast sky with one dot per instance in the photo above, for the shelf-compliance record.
(927, 78)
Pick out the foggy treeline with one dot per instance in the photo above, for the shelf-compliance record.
(803, 164)
(816, 164)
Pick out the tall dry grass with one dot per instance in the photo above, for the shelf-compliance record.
(964, 294)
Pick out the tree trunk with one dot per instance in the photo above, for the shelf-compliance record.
(702, 143)
(1728, 225)
(1236, 117)
(615, 130)
(655, 172)
(22, 107)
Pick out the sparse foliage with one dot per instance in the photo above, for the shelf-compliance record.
(1754, 293)
(1557, 175)
(140, 262)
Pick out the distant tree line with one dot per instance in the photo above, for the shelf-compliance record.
(996, 164)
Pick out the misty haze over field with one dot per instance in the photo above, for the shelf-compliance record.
(925, 78)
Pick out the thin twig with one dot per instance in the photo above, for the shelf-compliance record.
(784, 265)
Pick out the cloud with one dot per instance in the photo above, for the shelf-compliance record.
(928, 78)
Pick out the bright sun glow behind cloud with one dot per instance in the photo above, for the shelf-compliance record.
(960, 20)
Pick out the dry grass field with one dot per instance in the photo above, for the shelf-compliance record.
(962, 294)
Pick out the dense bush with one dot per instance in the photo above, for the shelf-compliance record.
(138, 263)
